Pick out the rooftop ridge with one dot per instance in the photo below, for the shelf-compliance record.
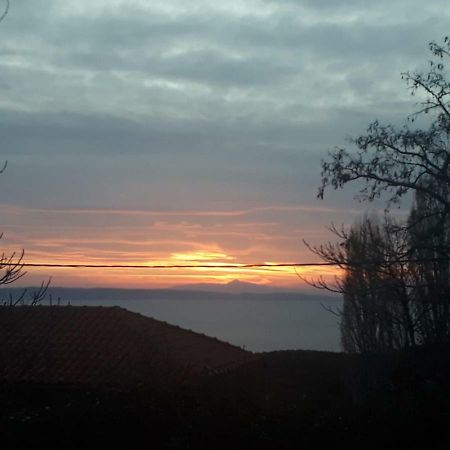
(100, 345)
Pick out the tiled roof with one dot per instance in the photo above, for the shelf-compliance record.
(104, 347)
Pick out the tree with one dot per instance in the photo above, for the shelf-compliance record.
(5, 11)
(396, 283)
(11, 265)
(394, 161)
(429, 244)
(377, 311)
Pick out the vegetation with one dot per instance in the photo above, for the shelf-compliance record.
(11, 265)
(396, 283)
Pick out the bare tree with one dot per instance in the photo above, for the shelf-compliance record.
(394, 161)
(5, 11)
(377, 310)
(11, 265)
(396, 285)
(11, 270)
(429, 244)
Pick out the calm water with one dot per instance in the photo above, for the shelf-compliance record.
(257, 325)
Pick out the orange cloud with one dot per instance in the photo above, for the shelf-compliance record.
(109, 237)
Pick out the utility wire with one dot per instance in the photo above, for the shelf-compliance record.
(169, 266)
(217, 266)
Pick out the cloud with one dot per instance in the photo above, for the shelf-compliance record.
(203, 119)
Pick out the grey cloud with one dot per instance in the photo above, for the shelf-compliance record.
(271, 50)
(53, 134)
(408, 7)
(82, 161)
(198, 66)
(131, 108)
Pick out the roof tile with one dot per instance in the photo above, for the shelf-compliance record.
(103, 346)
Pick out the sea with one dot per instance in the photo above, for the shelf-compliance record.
(256, 324)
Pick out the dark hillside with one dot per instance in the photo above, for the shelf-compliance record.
(103, 378)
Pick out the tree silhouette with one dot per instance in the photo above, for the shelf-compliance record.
(11, 265)
(396, 283)
(5, 11)
(377, 312)
(394, 161)
(429, 236)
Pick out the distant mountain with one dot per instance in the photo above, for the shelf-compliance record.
(233, 287)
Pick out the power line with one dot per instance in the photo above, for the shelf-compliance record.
(169, 266)
(217, 266)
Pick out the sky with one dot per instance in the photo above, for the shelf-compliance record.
(146, 132)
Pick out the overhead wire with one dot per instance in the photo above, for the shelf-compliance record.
(217, 265)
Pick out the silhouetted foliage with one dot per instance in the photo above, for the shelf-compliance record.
(429, 236)
(394, 161)
(5, 11)
(377, 310)
(396, 283)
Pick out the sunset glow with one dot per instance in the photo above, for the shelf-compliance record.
(140, 133)
(149, 239)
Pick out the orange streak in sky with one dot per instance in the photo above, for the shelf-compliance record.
(218, 238)
(276, 276)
